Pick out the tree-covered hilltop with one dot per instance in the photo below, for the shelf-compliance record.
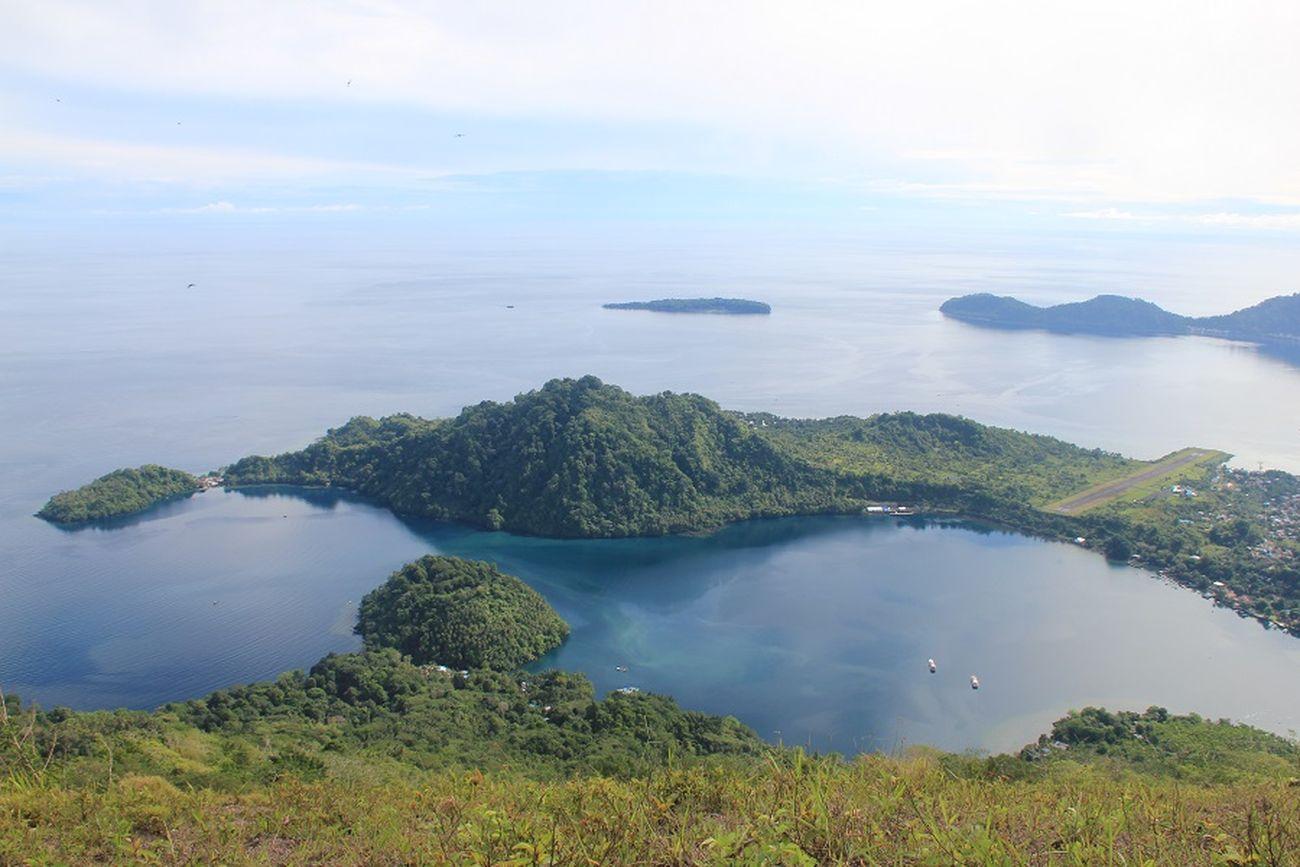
(459, 613)
(731, 306)
(576, 458)
(121, 492)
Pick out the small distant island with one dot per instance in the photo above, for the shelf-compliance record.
(122, 492)
(1276, 320)
(727, 306)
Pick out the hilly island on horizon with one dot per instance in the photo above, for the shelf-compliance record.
(1275, 320)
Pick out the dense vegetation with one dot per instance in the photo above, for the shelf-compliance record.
(575, 458)
(316, 773)
(733, 306)
(459, 613)
(121, 492)
(380, 705)
(578, 458)
(1277, 319)
(1156, 742)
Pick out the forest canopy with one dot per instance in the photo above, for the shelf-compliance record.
(461, 614)
(121, 492)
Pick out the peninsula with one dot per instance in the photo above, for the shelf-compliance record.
(581, 459)
(726, 306)
(1276, 320)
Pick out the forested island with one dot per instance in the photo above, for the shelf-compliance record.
(372, 757)
(121, 492)
(1276, 320)
(727, 306)
(461, 614)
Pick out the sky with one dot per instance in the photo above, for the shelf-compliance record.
(1160, 116)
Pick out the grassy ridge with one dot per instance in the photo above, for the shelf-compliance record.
(786, 808)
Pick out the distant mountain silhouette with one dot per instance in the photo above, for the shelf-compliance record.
(1276, 320)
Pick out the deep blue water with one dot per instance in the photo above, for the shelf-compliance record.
(811, 630)
(815, 628)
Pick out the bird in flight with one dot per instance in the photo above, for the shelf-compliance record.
(349, 82)
(460, 135)
(189, 286)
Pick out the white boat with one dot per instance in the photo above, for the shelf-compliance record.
(974, 682)
(933, 667)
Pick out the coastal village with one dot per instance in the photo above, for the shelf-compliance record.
(1260, 508)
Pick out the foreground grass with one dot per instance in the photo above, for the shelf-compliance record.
(786, 809)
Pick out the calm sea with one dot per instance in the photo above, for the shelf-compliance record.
(816, 629)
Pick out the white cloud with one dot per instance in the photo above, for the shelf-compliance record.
(168, 163)
(1217, 219)
(1108, 214)
(1161, 100)
(224, 207)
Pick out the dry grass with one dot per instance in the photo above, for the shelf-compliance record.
(787, 810)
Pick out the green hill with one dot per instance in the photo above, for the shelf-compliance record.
(460, 614)
(576, 458)
(121, 492)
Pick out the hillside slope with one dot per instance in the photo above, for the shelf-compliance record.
(579, 458)
(575, 458)
(154, 789)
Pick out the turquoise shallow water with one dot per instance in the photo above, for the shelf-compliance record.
(811, 630)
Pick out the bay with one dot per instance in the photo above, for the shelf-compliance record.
(107, 360)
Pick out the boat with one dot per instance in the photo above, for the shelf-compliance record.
(933, 667)
(974, 682)
(621, 668)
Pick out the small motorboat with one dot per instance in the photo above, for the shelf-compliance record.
(621, 668)
(933, 667)
(974, 682)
